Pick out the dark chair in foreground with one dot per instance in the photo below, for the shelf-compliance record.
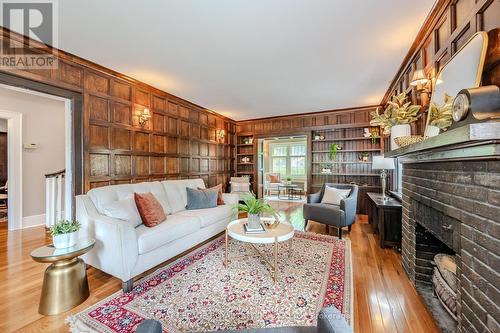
(329, 321)
(332, 215)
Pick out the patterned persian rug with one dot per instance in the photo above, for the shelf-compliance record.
(196, 292)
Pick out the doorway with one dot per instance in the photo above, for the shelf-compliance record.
(39, 128)
(283, 168)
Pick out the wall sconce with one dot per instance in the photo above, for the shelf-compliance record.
(220, 134)
(144, 117)
(420, 80)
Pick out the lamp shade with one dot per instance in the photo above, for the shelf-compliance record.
(419, 77)
(379, 163)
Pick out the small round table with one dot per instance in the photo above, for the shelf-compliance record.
(283, 232)
(289, 190)
(65, 282)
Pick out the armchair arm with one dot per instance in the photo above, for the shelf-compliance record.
(116, 250)
(348, 205)
(314, 197)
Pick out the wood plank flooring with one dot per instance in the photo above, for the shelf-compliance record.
(384, 299)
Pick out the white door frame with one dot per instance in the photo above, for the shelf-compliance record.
(14, 167)
(15, 156)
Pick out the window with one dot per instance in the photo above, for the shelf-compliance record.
(288, 159)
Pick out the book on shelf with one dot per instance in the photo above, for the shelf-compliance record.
(250, 230)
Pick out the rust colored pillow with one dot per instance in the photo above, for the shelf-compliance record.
(150, 209)
(220, 201)
(273, 179)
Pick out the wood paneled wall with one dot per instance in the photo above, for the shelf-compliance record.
(302, 123)
(179, 141)
(450, 24)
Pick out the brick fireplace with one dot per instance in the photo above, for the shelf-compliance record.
(452, 206)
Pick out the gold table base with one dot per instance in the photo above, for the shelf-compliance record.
(274, 266)
(65, 286)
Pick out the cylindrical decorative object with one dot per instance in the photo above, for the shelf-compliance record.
(398, 131)
(253, 221)
(431, 130)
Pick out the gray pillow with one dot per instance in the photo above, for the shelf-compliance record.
(199, 199)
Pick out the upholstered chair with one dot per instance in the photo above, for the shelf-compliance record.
(272, 182)
(339, 216)
(240, 186)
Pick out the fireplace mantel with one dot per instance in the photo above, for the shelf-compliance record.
(468, 142)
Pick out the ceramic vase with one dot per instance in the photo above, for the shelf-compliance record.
(399, 131)
(431, 131)
(64, 240)
(253, 221)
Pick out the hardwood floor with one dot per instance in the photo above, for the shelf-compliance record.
(384, 299)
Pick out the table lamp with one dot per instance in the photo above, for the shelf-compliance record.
(381, 163)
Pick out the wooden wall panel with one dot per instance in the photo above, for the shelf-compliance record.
(116, 148)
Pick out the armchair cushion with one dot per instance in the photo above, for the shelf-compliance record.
(274, 178)
(333, 195)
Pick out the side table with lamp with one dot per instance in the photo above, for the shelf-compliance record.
(384, 212)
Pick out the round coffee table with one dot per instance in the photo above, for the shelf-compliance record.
(283, 232)
(65, 282)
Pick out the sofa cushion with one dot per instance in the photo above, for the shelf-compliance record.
(201, 199)
(174, 227)
(125, 210)
(209, 216)
(176, 192)
(220, 199)
(149, 208)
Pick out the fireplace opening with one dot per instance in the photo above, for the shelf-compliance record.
(435, 277)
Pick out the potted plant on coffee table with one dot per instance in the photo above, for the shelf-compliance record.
(254, 207)
(64, 233)
(396, 118)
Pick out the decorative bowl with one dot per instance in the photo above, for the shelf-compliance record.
(404, 141)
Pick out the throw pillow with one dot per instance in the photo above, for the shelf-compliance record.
(200, 199)
(125, 210)
(274, 179)
(150, 209)
(220, 200)
(333, 195)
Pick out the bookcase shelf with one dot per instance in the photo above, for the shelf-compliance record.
(348, 166)
(245, 162)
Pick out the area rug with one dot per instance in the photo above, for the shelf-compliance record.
(197, 293)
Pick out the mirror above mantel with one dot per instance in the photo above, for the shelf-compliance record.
(462, 71)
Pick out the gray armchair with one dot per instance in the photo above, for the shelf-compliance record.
(332, 215)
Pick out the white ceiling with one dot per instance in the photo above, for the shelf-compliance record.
(249, 59)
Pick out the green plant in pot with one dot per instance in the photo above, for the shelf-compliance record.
(64, 233)
(440, 117)
(396, 118)
(254, 207)
(334, 148)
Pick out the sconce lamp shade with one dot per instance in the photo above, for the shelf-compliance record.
(419, 78)
(146, 113)
(381, 163)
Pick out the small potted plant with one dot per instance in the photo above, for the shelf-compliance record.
(64, 233)
(288, 180)
(334, 148)
(254, 207)
(396, 118)
(440, 117)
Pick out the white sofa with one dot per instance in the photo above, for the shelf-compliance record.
(125, 247)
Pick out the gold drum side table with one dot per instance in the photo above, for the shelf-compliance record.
(65, 282)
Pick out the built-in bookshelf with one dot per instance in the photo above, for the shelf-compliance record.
(352, 164)
(245, 157)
